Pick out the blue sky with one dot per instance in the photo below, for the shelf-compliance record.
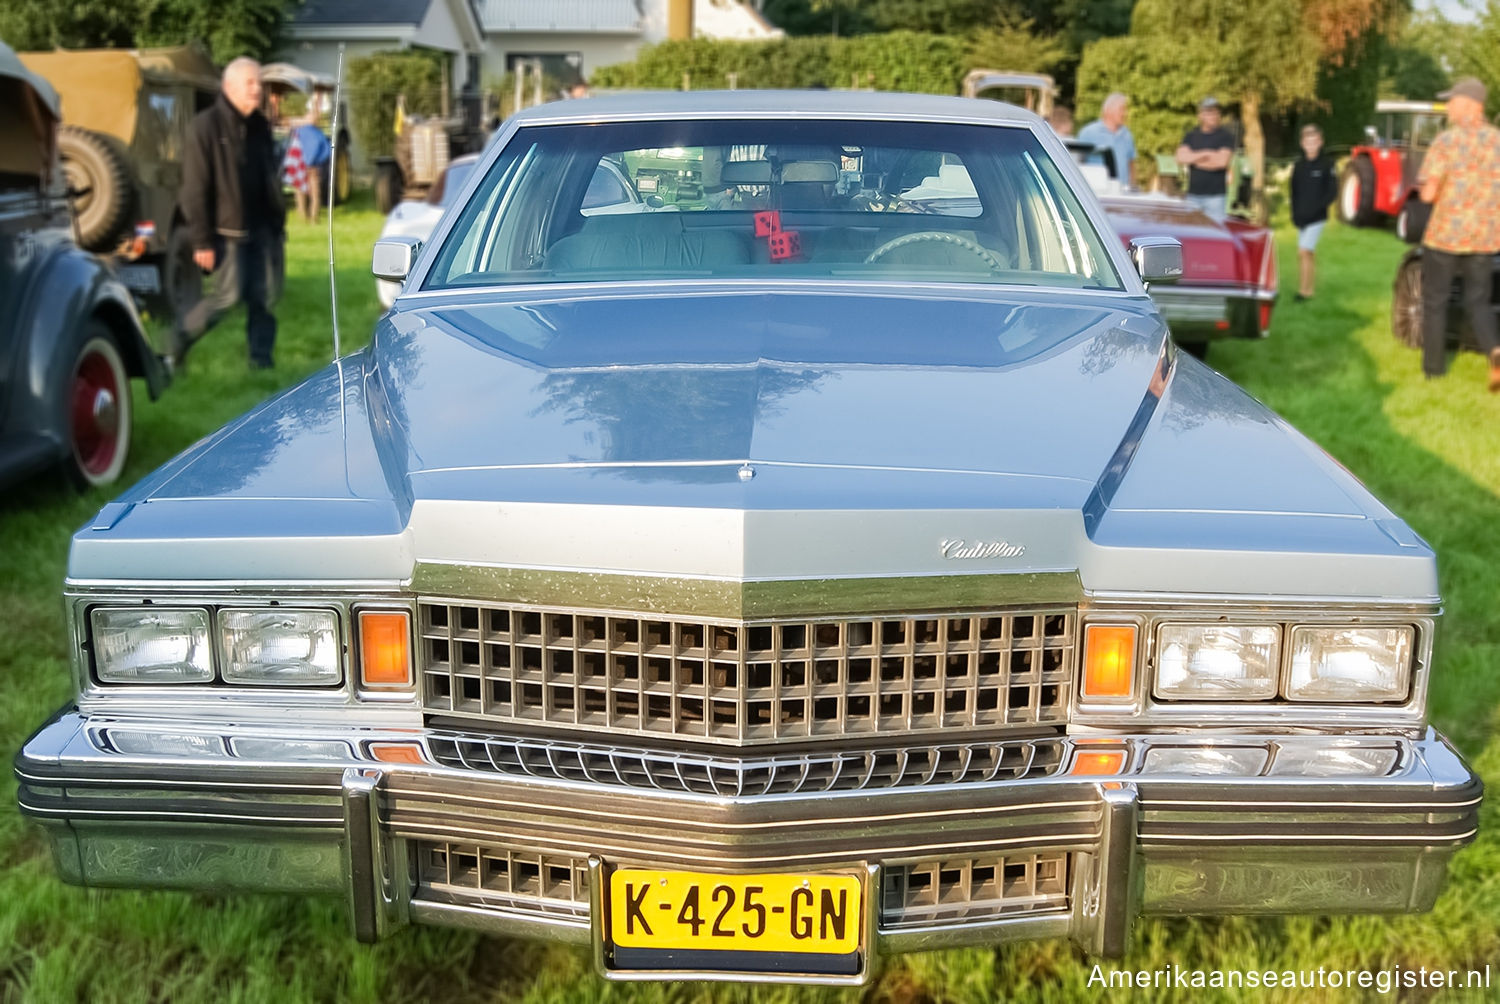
(1453, 10)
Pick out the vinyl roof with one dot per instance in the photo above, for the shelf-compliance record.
(778, 104)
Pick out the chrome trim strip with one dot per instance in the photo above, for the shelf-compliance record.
(1247, 291)
(734, 599)
(499, 922)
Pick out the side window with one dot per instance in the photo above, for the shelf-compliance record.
(605, 188)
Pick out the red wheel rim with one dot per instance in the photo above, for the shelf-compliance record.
(96, 414)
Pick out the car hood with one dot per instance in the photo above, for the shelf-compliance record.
(750, 434)
(1210, 252)
(685, 389)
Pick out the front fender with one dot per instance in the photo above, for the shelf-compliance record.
(72, 286)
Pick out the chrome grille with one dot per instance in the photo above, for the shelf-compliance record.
(747, 682)
(515, 880)
(930, 893)
(784, 774)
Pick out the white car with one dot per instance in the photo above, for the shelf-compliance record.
(418, 217)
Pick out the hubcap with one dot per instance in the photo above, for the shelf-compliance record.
(95, 414)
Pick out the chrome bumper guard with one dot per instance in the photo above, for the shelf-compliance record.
(1153, 825)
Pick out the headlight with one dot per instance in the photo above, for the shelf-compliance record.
(1218, 662)
(1350, 664)
(151, 645)
(1335, 761)
(281, 648)
(1206, 761)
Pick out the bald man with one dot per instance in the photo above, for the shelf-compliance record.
(236, 217)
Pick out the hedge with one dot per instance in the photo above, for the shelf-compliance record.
(377, 80)
(897, 61)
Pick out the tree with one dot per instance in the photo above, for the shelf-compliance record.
(836, 8)
(1265, 55)
(230, 28)
(1016, 46)
(1480, 57)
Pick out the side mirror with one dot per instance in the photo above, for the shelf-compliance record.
(394, 257)
(1157, 258)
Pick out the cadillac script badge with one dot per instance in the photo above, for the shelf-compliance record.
(960, 548)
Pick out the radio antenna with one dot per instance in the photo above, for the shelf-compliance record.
(333, 171)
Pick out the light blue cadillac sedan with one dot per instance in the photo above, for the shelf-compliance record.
(809, 548)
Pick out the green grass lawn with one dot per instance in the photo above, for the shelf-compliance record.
(1431, 450)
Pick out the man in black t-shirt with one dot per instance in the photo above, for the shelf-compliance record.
(1206, 152)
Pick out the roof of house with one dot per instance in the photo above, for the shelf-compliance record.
(560, 15)
(325, 18)
(361, 12)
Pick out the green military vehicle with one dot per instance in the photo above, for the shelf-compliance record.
(126, 115)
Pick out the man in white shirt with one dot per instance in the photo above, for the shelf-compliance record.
(1109, 132)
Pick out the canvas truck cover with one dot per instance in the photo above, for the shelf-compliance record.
(28, 107)
(100, 88)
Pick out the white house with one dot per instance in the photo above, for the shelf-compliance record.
(573, 38)
(311, 38)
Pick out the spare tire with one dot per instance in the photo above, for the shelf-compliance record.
(388, 187)
(343, 172)
(95, 168)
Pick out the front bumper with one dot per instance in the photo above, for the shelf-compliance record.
(1119, 826)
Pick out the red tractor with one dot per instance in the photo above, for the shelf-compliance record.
(1380, 180)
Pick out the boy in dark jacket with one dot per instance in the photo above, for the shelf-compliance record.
(1314, 188)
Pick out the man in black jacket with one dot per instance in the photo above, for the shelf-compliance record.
(1314, 188)
(232, 204)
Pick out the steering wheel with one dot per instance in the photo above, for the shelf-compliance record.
(936, 237)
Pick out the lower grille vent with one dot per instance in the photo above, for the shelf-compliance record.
(508, 879)
(932, 893)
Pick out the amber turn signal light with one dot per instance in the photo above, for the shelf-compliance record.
(1103, 763)
(410, 753)
(1108, 660)
(384, 649)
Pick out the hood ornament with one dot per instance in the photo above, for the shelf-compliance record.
(959, 548)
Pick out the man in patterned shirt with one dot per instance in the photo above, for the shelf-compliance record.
(1461, 178)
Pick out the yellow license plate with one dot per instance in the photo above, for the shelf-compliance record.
(755, 913)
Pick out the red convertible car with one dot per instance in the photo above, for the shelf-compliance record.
(1228, 284)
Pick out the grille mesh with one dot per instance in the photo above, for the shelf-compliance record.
(746, 682)
(737, 776)
(930, 893)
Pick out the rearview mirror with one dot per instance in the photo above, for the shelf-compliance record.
(1157, 258)
(393, 257)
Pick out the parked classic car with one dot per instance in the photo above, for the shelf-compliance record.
(72, 339)
(1229, 274)
(1407, 293)
(747, 591)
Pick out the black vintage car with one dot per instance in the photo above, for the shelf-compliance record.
(71, 338)
(1406, 304)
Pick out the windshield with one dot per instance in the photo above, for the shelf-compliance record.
(773, 199)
